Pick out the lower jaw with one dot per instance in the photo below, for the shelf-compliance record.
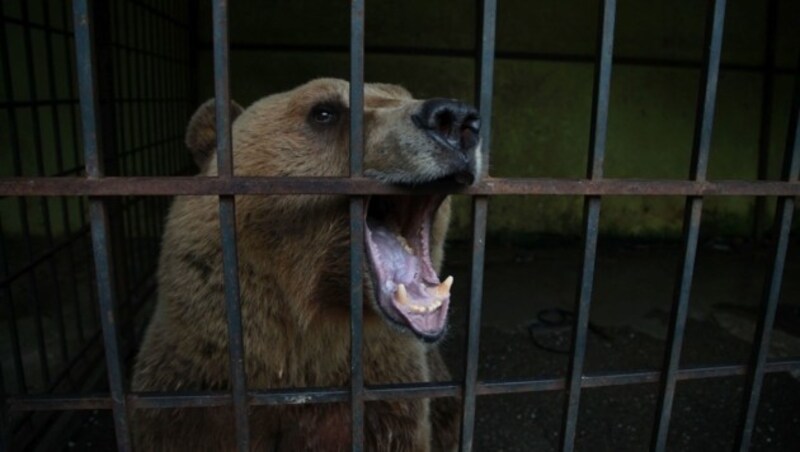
(395, 322)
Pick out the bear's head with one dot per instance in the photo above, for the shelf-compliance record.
(305, 132)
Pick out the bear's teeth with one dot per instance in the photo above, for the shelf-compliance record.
(421, 309)
(405, 244)
(443, 289)
(401, 298)
(401, 295)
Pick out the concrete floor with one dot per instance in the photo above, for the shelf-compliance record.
(630, 311)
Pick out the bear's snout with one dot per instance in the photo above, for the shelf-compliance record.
(454, 125)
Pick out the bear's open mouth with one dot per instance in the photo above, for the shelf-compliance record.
(407, 289)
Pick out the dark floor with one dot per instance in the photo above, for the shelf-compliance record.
(633, 293)
(620, 418)
(630, 312)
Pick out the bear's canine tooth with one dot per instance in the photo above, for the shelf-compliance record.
(448, 283)
(443, 289)
(401, 294)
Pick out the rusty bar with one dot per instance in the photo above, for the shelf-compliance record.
(480, 206)
(591, 220)
(486, 10)
(98, 214)
(784, 212)
(301, 396)
(195, 186)
(74, 143)
(356, 226)
(704, 122)
(484, 83)
(227, 217)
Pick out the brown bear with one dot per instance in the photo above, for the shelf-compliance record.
(294, 275)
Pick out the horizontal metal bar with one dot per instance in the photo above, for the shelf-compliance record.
(500, 55)
(171, 186)
(302, 396)
(629, 378)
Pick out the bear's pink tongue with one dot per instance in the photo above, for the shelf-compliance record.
(407, 288)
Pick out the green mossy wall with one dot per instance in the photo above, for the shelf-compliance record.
(542, 107)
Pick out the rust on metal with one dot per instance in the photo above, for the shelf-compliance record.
(172, 186)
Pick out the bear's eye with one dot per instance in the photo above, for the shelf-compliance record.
(324, 114)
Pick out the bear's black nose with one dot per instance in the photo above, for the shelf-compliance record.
(453, 124)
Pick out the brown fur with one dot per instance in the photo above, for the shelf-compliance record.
(293, 270)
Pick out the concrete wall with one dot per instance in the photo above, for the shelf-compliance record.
(542, 106)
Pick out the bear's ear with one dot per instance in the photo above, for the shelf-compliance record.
(201, 135)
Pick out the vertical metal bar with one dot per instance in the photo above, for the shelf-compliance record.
(356, 225)
(767, 84)
(99, 219)
(76, 153)
(704, 122)
(772, 287)
(77, 156)
(104, 61)
(479, 216)
(227, 215)
(484, 84)
(591, 219)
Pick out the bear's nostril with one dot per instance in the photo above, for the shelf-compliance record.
(472, 123)
(444, 122)
(451, 123)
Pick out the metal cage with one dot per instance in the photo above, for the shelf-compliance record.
(84, 196)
